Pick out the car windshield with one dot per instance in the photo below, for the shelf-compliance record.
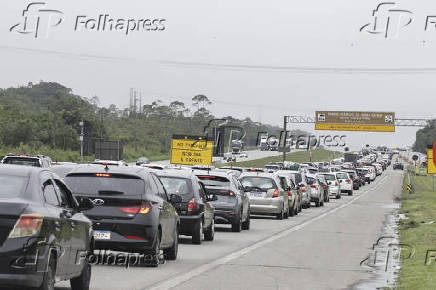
(262, 183)
(26, 161)
(212, 180)
(12, 186)
(179, 186)
(105, 184)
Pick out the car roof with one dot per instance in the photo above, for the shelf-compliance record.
(257, 174)
(20, 170)
(96, 168)
(175, 173)
(213, 173)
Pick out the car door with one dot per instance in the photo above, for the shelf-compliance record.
(244, 198)
(61, 228)
(283, 190)
(168, 214)
(208, 208)
(79, 226)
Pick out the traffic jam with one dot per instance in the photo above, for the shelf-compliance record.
(58, 216)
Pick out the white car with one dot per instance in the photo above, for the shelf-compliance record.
(243, 155)
(345, 181)
(316, 193)
(379, 168)
(333, 183)
(371, 172)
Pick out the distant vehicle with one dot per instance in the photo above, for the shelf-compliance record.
(398, 165)
(334, 185)
(233, 205)
(316, 192)
(345, 181)
(240, 169)
(243, 155)
(41, 218)
(324, 187)
(197, 215)
(354, 177)
(272, 167)
(267, 196)
(155, 166)
(295, 192)
(27, 160)
(110, 162)
(351, 157)
(142, 160)
(133, 212)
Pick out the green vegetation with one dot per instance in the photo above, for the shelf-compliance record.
(44, 118)
(418, 230)
(425, 137)
(299, 156)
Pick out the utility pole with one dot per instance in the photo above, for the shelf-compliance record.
(285, 130)
(81, 140)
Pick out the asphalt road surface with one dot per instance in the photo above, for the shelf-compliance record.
(321, 248)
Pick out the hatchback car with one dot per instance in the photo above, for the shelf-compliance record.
(316, 191)
(334, 185)
(232, 205)
(267, 196)
(345, 181)
(196, 212)
(42, 231)
(27, 160)
(132, 213)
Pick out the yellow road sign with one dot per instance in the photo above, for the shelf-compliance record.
(355, 121)
(431, 168)
(191, 150)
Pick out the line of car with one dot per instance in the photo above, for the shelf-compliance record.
(54, 217)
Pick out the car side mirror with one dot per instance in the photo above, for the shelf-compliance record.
(212, 197)
(340, 180)
(174, 198)
(85, 204)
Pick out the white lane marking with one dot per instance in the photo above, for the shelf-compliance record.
(175, 281)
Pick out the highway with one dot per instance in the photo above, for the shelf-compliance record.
(321, 248)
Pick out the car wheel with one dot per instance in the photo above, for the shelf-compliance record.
(171, 253)
(197, 235)
(308, 205)
(350, 192)
(292, 211)
(209, 235)
(280, 215)
(246, 224)
(82, 282)
(300, 206)
(49, 276)
(237, 225)
(338, 196)
(321, 203)
(317, 203)
(155, 252)
(285, 213)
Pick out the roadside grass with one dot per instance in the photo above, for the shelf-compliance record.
(299, 156)
(419, 231)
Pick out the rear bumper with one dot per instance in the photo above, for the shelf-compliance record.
(188, 224)
(225, 216)
(334, 190)
(266, 205)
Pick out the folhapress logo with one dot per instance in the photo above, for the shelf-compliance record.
(37, 20)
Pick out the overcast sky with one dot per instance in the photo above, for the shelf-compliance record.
(252, 58)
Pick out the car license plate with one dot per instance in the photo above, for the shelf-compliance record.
(102, 235)
(256, 194)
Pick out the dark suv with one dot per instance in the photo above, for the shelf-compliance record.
(232, 205)
(132, 212)
(44, 237)
(27, 160)
(195, 211)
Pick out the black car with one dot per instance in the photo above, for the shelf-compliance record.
(132, 213)
(142, 160)
(398, 165)
(27, 160)
(196, 213)
(233, 205)
(44, 237)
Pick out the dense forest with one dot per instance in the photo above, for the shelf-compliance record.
(425, 137)
(45, 118)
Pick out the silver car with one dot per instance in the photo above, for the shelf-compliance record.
(316, 192)
(334, 185)
(266, 194)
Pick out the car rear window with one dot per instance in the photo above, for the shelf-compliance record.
(341, 175)
(26, 161)
(212, 180)
(329, 177)
(12, 186)
(105, 184)
(179, 186)
(262, 183)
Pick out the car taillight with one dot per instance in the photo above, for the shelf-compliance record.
(276, 193)
(324, 186)
(144, 208)
(289, 193)
(314, 186)
(27, 225)
(191, 205)
(303, 188)
(336, 183)
(231, 193)
(347, 180)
